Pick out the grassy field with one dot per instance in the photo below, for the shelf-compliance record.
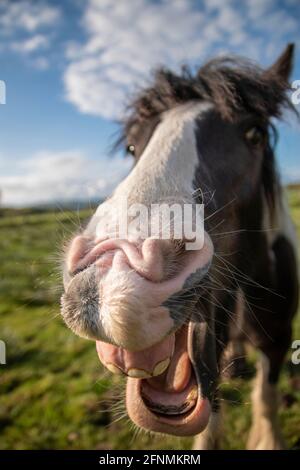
(53, 390)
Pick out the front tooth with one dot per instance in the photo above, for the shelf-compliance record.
(161, 367)
(138, 374)
(114, 369)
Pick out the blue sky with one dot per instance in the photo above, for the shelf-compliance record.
(71, 66)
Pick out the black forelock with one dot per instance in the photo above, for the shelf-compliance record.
(231, 84)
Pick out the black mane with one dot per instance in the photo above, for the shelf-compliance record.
(231, 84)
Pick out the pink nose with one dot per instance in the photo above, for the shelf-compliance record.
(150, 258)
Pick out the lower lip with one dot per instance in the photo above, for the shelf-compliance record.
(188, 424)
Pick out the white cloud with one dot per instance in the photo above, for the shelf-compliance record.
(59, 176)
(26, 15)
(36, 42)
(25, 29)
(40, 63)
(125, 40)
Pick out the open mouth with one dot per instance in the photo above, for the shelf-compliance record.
(163, 397)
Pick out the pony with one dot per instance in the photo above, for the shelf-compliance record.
(167, 317)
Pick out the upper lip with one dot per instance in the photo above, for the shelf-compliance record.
(150, 268)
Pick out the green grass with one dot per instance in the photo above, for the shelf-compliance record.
(53, 390)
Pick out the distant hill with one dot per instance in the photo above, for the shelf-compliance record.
(294, 186)
(73, 205)
(51, 207)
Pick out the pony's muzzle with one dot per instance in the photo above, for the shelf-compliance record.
(118, 291)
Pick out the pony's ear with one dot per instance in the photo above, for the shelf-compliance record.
(283, 66)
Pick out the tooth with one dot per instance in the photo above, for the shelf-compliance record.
(138, 373)
(114, 369)
(193, 394)
(161, 367)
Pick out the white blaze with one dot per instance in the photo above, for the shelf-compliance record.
(163, 176)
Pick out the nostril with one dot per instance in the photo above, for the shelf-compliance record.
(153, 258)
(164, 258)
(75, 271)
(179, 246)
(77, 250)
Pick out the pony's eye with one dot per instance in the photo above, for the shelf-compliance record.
(130, 149)
(255, 136)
